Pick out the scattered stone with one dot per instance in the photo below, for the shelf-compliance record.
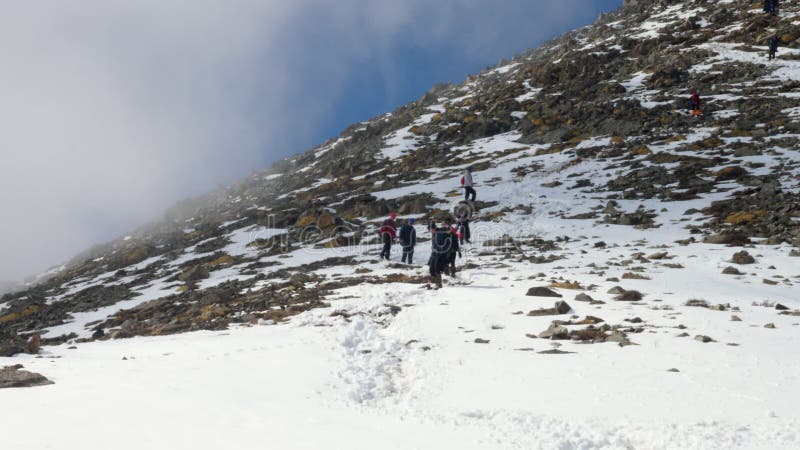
(634, 276)
(731, 173)
(555, 351)
(727, 238)
(619, 337)
(588, 320)
(703, 339)
(743, 258)
(613, 280)
(682, 335)
(697, 303)
(616, 290)
(780, 307)
(635, 320)
(730, 270)
(583, 298)
(15, 377)
(735, 318)
(555, 332)
(673, 370)
(562, 307)
(770, 326)
(658, 256)
(769, 282)
(629, 296)
(481, 341)
(542, 292)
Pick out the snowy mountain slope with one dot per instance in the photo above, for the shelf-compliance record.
(592, 180)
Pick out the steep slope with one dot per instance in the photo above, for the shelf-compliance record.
(593, 181)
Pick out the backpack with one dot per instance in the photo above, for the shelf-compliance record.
(462, 181)
(405, 233)
(441, 240)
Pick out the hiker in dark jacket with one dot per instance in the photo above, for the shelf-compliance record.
(453, 248)
(772, 43)
(469, 185)
(464, 233)
(408, 239)
(388, 233)
(772, 7)
(440, 255)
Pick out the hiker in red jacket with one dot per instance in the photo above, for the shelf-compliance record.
(695, 104)
(453, 248)
(388, 234)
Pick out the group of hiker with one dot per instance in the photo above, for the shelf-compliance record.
(407, 235)
(447, 237)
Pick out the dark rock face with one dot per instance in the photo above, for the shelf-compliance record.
(15, 377)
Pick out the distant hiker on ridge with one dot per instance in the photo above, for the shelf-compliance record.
(771, 6)
(469, 185)
(388, 233)
(408, 239)
(695, 103)
(773, 43)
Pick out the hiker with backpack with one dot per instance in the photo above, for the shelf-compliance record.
(695, 104)
(453, 249)
(408, 240)
(388, 234)
(440, 256)
(464, 233)
(469, 185)
(773, 43)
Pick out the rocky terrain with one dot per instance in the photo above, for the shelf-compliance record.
(627, 222)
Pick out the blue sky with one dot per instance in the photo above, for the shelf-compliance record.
(114, 110)
(417, 68)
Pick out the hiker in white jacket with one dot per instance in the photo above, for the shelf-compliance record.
(469, 185)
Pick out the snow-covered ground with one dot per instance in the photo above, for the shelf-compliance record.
(367, 378)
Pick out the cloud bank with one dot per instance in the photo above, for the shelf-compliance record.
(112, 110)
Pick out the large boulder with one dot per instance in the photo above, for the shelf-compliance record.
(15, 377)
